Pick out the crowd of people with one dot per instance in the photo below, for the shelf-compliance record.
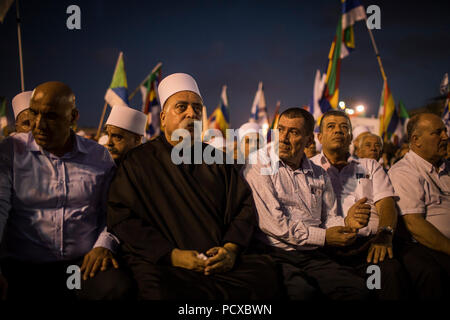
(289, 222)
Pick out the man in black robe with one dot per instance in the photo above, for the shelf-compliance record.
(183, 228)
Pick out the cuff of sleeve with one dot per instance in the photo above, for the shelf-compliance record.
(412, 211)
(383, 195)
(316, 236)
(108, 241)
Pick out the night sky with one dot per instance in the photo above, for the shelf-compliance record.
(237, 43)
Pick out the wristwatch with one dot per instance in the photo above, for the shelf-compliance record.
(386, 230)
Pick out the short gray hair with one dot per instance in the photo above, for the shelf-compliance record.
(369, 134)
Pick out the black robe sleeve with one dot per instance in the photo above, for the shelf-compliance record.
(125, 222)
(240, 206)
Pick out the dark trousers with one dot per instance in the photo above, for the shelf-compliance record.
(395, 284)
(27, 281)
(253, 277)
(312, 275)
(428, 270)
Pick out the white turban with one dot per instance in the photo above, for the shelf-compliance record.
(174, 83)
(128, 118)
(21, 102)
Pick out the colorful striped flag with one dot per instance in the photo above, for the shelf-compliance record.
(117, 93)
(259, 110)
(275, 119)
(398, 124)
(343, 43)
(220, 118)
(150, 105)
(352, 11)
(385, 113)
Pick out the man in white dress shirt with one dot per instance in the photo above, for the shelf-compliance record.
(363, 180)
(297, 215)
(422, 182)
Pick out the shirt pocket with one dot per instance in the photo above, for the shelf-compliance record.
(84, 189)
(365, 189)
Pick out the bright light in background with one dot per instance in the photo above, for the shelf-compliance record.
(265, 128)
(350, 111)
(360, 108)
(342, 104)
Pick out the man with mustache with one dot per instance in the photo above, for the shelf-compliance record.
(362, 180)
(52, 202)
(125, 128)
(21, 105)
(421, 180)
(297, 215)
(183, 227)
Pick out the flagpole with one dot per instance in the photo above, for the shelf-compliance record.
(100, 125)
(146, 78)
(19, 38)
(383, 74)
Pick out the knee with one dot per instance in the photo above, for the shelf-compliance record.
(112, 284)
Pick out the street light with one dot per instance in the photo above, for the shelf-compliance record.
(342, 105)
(360, 108)
(349, 111)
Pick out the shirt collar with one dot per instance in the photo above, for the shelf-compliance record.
(79, 145)
(412, 156)
(325, 163)
(304, 168)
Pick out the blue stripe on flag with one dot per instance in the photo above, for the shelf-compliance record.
(122, 92)
(349, 5)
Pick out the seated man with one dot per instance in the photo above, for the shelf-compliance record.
(184, 227)
(21, 105)
(422, 182)
(125, 128)
(297, 214)
(356, 180)
(53, 202)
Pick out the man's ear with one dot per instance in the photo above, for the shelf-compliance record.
(74, 116)
(162, 117)
(319, 137)
(310, 140)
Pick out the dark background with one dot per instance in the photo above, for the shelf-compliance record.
(236, 43)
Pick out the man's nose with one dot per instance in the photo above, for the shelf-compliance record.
(39, 122)
(190, 112)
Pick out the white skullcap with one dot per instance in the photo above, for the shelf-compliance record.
(103, 140)
(217, 142)
(358, 130)
(21, 102)
(248, 128)
(128, 118)
(174, 83)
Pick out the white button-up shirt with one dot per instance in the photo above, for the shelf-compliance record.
(423, 190)
(53, 208)
(294, 206)
(360, 178)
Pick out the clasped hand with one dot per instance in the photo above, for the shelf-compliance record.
(219, 259)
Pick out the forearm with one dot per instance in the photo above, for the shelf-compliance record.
(387, 213)
(427, 234)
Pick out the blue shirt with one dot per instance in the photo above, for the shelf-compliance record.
(53, 208)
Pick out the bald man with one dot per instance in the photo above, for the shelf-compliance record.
(422, 182)
(52, 201)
